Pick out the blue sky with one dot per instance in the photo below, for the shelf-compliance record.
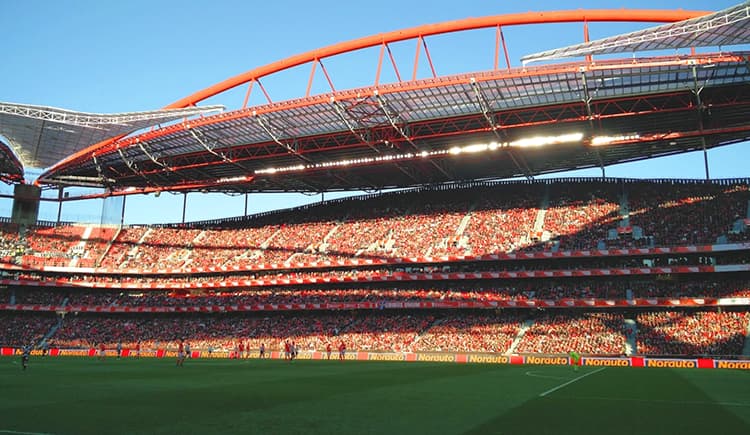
(98, 56)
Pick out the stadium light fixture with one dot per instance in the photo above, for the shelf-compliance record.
(538, 141)
(606, 140)
(453, 151)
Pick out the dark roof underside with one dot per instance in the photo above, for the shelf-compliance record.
(11, 169)
(651, 101)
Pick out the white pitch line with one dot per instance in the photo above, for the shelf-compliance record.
(535, 375)
(672, 402)
(570, 382)
(16, 432)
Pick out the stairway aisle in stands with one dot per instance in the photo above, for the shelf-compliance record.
(516, 341)
(107, 248)
(51, 332)
(624, 209)
(79, 248)
(258, 253)
(631, 343)
(426, 330)
(538, 228)
(133, 252)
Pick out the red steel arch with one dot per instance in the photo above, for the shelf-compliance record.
(580, 15)
(526, 18)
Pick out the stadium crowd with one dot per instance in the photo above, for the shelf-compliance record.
(477, 220)
(291, 277)
(483, 219)
(436, 291)
(479, 332)
(524, 332)
(597, 333)
(21, 329)
(581, 218)
(686, 214)
(692, 333)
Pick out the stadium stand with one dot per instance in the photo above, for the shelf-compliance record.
(22, 329)
(470, 221)
(477, 332)
(692, 333)
(592, 333)
(435, 230)
(497, 290)
(589, 333)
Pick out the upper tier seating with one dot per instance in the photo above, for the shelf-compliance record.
(475, 221)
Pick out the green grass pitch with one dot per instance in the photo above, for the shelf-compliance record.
(83, 395)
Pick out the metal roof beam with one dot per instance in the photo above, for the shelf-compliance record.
(389, 114)
(701, 110)
(108, 182)
(99, 120)
(489, 117)
(266, 126)
(195, 133)
(80, 181)
(152, 158)
(342, 112)
(134, 168)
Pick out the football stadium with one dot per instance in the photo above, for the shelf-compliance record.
(462, 260)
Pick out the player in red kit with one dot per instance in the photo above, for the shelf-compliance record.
(328, 350)
(180, 353)
(342, 351)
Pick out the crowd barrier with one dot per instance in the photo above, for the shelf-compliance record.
(463, 358)
(525, 303)
(367, 262)
(378, 277)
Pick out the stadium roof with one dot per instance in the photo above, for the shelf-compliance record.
(396, 136)
(721, 29)
(42, 136)
(430, 130)
(11, 169)
(500, 123)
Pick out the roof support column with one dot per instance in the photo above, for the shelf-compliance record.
(700, 108)
(59, 203)
(705, 157)
(184, 206)
(122, 212)
(590, 115)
